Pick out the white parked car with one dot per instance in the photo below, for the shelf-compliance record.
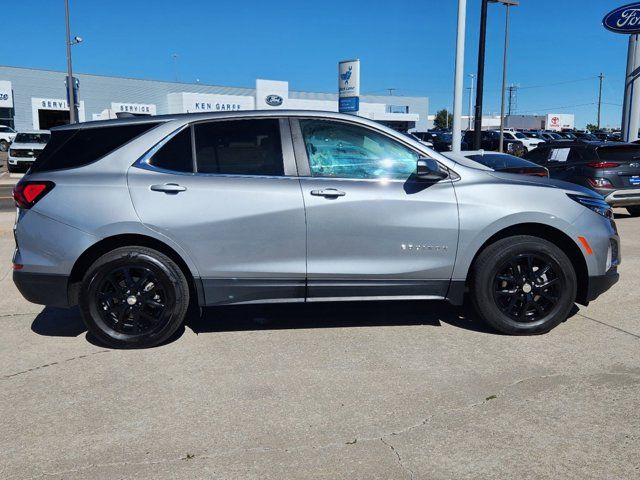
(529, 143)
(7, 134)
(25, 149)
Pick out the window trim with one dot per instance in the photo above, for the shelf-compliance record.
(302, 159)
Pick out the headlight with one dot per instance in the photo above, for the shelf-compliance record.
(597, 205)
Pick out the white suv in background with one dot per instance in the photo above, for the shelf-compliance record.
(529, 143)
(7, 134)
(25, 149)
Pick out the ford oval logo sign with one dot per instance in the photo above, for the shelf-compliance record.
(624, 19)
(273, 100)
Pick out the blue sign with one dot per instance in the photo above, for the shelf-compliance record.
(625, 19)
(348, 104)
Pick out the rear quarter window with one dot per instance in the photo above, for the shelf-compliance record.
(79, 147)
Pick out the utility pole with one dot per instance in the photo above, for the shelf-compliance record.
(512, 97)
(477, 134)
(601, 78)
(472, 76)
(458, 81)
(73, 114)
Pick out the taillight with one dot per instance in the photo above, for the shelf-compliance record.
(603, 164)
(27, 194)
(599, 183)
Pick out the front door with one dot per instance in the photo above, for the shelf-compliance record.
(224, 192)
(373, 228)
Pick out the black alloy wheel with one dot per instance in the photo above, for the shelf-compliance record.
(527, 287)
(134, 297)
(523, 285)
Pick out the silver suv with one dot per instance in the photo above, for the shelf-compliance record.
(134, 219)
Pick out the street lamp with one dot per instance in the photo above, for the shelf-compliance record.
(507, 4)
(477, 134)
(472, 76)
(71, 94)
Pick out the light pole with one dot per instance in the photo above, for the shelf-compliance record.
(508, 4)
(458, 81)
(71, 94)
(472, 76)
(601, 77)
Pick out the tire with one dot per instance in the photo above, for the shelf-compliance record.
(634, 211)
(134, 297)
(4, 145)
(10, 168)
(523, 285)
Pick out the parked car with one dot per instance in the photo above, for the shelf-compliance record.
(503, 162)
(611, 169)
(607, 137)
(7, 134)
(441, 141)
(566, 135)
(491, 141)
(25, 149)
(528, 143)
(134, 219)
(585, 136)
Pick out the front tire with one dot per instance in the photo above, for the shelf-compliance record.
(523, 285)
(134, 297)
(634, 211)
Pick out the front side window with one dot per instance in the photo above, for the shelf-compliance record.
(341, 150)
(239, 147)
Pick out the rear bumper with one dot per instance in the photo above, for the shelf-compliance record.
(43, 288)
(623, 197)
(600, 284)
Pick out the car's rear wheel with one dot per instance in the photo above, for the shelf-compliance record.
(523, 285)
(634, 211)
(134, 297)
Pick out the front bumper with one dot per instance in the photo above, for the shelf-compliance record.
(601, 283)
(43, 288)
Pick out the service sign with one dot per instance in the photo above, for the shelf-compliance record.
(134, 108)
(625, 19)
(6, 94)
(349, 78)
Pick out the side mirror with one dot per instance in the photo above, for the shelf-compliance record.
(428, 169)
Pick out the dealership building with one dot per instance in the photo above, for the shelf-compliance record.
(32, 99)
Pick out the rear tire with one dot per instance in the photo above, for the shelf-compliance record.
(523, 285)
(634, 211)
(134, 297)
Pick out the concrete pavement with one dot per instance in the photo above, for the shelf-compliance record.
(355, 391)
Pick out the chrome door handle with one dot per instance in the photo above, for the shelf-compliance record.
(168, 188)
(328, 192)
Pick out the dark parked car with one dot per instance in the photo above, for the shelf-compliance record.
(503, 162)
(441, 140)
(607, 137)
(491, 142)
(611, 169)
(586, 136)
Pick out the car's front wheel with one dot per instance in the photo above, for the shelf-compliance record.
(523, 285)
(134, 297)
(634, 211)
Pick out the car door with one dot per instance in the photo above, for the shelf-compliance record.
(373, 228)
(227, 192)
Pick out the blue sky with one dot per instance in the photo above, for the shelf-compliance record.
(558, 47)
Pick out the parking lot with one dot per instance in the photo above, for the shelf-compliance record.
(391, 390)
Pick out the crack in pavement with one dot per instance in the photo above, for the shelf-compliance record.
(40, 367)
(608, 325)
(398, 458)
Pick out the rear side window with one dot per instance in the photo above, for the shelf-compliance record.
(239, 147)
(82, 146)
(538, 155)
(175, 155)
(619, 153)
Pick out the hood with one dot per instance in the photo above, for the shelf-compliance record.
(517, 179)
(28, 146)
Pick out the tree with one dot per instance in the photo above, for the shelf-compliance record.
(443, 120)
(591, 127)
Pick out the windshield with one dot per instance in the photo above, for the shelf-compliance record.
(520, 135)
(32, 138)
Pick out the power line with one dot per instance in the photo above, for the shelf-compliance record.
(565, 82)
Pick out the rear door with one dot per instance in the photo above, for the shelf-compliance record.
(373, 229)
(227, 192)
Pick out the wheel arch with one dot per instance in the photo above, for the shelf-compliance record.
(553, 235)
(105, 245)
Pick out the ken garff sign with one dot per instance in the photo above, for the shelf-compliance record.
(349, 85)
(625, 19)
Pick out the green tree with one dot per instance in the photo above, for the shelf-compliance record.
(444, 119)
(591, 127)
